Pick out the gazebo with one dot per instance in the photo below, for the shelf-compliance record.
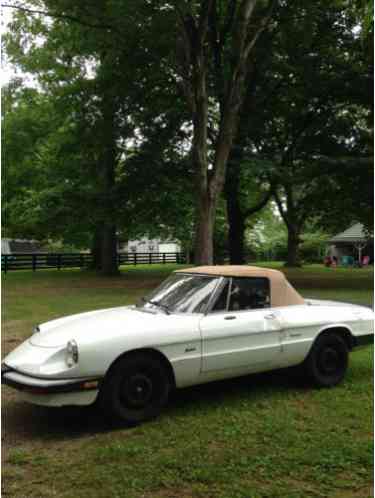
(354, 242)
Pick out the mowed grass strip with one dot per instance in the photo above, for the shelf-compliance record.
(261, 436)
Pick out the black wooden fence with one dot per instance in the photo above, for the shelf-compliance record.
(27, 261)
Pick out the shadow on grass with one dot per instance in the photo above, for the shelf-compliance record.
(28, 422)
(33, 423)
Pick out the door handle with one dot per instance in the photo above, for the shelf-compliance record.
(230, 317)
(270, 316)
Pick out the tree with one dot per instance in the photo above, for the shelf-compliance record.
(318, 127)
(216, 42)
(247, 191)
(85, 71)
(294, 77)
(35, 137)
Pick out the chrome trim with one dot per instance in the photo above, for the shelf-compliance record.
(38, 382)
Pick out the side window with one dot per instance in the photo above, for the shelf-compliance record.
(221, 301)
(249, 294)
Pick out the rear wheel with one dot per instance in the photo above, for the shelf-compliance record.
(327, 362)
(137, 389)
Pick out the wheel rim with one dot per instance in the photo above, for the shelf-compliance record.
(137, 391)
(330, 361)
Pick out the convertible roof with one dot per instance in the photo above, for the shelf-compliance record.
(282, 293)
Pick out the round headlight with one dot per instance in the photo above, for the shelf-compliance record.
(71, 356)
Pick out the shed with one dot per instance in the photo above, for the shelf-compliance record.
(352, 242)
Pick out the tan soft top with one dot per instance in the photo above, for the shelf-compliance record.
(282, 293)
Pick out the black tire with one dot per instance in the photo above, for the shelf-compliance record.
(328, 360)
(136, 389)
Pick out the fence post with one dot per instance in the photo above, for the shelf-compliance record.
(177, 258)
(150, 258)
(135, 258)
(34, 261)
(163, 258)
(59, 261)
(5, 263)
(80, 260)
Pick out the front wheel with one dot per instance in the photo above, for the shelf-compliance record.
(136, 390)
(327, 361)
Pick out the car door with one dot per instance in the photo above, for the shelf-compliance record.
(243, 335)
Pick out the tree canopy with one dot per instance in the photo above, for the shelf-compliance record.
(141, 118)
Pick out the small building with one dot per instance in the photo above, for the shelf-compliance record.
(146, 245)
(20, 246)
(353, 242)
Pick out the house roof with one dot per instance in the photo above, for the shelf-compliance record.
(355, 233)
(282, 293)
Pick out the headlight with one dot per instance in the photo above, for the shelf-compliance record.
(71, 355)
(36, 329)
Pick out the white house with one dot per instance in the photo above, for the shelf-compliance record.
(20, 246)
(146, 245)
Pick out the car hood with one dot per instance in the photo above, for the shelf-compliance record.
(86, 327)
(101, 337)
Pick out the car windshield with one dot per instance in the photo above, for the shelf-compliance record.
(182, 293)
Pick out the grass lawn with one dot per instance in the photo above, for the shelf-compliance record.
(255, 437)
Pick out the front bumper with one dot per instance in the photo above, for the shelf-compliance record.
(37, 385)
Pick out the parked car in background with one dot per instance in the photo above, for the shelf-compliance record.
(201, 325)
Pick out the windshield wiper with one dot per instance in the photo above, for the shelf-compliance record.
(164, 307)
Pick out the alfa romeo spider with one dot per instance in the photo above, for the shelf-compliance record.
(200, 325)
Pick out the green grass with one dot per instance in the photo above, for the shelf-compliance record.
(263, 436)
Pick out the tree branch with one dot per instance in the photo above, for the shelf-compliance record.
(282, 211)
(203, 21)
(63, 17)
(261, 204)
(263, 25)
(217, 53)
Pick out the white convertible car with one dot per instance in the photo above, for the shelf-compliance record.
(202, 324)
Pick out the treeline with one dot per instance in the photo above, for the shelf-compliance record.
(186, 120)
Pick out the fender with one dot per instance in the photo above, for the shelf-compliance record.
(342, 328)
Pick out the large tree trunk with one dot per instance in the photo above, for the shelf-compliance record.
(96, 250)
(107, 179)
(293, 248)
(109, 265)
(204, 230)
(236, 232)
(294, 221)
(235, 216)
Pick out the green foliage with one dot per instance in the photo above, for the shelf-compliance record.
(268, 236)
(314, 244)
(107, 96)
(105, 135)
